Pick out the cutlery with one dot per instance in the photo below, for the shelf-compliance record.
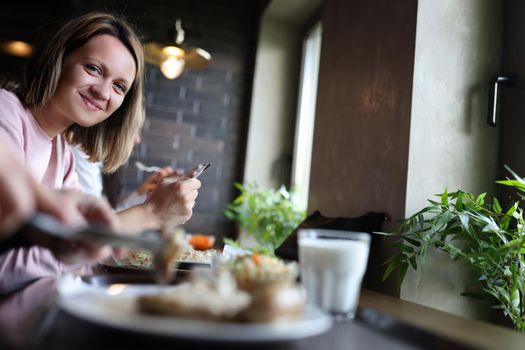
(199, 169)
(149, 169)
(93, 233)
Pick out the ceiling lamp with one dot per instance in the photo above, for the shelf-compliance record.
(16, 48)
(173, 58)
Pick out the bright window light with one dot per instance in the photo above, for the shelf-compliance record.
(304, 129)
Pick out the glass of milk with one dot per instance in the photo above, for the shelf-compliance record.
(332, 267)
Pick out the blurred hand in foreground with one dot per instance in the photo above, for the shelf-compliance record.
(77, 210)
(21, 196)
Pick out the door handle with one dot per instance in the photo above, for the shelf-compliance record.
(508, 80)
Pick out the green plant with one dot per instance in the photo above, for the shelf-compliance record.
(487, 238)
(269, 216)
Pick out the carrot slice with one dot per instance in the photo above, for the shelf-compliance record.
(202, 242)
(256, 259)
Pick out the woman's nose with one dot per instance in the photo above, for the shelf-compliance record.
(101, 91)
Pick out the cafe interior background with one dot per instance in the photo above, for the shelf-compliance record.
(364, 105)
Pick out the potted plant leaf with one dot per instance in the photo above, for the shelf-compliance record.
(268, 216)
(466, 227)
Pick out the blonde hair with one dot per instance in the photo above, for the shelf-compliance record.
(110, 141)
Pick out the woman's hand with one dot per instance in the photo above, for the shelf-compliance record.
(75, 209)
(154, 179)
(17, 195)
(21, 196)
(171, 202)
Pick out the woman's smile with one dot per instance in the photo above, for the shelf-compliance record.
(90, 103)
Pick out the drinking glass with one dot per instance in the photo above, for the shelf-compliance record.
(333, 264)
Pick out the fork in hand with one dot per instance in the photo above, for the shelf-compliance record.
(149, 169)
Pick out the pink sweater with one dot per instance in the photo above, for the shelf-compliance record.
(52, 163)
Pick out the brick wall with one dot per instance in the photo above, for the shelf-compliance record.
(203, 115)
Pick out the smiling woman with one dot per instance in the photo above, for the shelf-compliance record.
(94, 82)
(85, 88)
(104, 47)
(91, 69)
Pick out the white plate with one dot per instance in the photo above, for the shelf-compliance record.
(95, 304)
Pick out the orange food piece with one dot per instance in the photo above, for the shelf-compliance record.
(256, 258)
(202, 242)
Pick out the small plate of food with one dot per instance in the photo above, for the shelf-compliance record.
(199, 253)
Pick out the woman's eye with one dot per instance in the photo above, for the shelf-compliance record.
(120, 87)
(93, 69)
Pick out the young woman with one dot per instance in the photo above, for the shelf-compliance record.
(85, 88)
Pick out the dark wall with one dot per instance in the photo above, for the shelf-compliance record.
(510, 121)
(362, 128)
(201, 116)
(29, 21)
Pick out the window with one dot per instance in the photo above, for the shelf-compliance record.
(304, 130)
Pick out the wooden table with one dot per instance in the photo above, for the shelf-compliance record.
(383, 322)
(471, 333)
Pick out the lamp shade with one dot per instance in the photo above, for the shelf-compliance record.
(174, 57)
(194, 58)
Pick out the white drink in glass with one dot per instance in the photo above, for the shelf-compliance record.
(332, 267)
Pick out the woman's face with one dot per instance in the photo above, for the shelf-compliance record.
(95, 79)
